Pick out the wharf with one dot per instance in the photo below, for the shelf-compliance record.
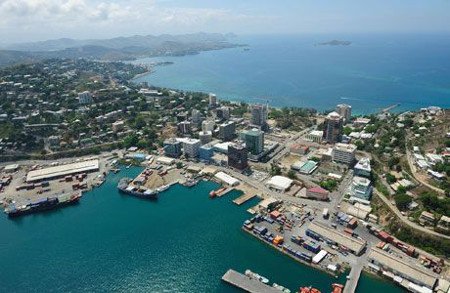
(353, 278)
(224, 192)
(247, 284)
(244, 198)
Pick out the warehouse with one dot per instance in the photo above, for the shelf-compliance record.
(227, 179)
(62, 170)
(279, 183)
(355, 245)
(402, 268)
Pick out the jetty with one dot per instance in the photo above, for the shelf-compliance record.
(246, 283)
(390, 108)
(244, 198)
(353, 278)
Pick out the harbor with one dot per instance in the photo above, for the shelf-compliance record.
(246, 283)
(106, 215)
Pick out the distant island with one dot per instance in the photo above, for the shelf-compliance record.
(335, 43)
(115, 49)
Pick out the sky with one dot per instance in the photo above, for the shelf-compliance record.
(33, 20)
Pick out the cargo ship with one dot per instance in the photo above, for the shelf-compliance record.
(125, 187)
(12, 210)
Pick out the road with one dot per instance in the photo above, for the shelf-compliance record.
(405, 220)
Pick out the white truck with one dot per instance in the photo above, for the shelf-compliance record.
(325, 213)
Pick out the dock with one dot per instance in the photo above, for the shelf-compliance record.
(352, 282)
(247, 284)
(390, 108)
(222, 193)
(244, 198)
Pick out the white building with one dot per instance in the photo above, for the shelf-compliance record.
(227, 179)
(205, 136)
(212, 100)
(118, 126)
(345, 111)
(279, 183)
(362, 168)
(361, 188)
(208, 125)
(344, 153)
(191, 147)
(315, 136)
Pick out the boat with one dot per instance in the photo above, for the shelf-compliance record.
(115, 171)
(281, 288)
(190, 183)
(124, 186)
(256, 276)
(12, 210)
(308, 290)
(163, 188)
(212, 194)
(337, 288)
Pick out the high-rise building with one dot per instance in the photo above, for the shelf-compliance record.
(333, 127)
(184, 127)
(227, 131)
(361, 188)
(345, 111)
(85, 98)
(205, 136)
(172, 148)
(197, 117)
(191, 147)
(206, 152)
(362, 168)
(259, 114)
(254, 140)
(223, 113)
(237, 156)
(208, 125)
(212, 101)
(344, 153)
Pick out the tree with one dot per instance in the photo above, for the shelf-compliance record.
(390, 178)
(179, 165)
(402, 200)
(275, 170)
(291, 174)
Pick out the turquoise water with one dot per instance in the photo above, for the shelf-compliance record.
(374, 72)
(184, 242)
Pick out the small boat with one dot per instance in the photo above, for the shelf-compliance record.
(256, 276)
(281, 288)
(308, 290)
(212, 194)
(337, 288)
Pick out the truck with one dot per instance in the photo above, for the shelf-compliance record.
(325, 213)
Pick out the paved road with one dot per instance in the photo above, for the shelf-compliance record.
(405, 220)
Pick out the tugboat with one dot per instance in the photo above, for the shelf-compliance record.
(308, 290)
(337, 288)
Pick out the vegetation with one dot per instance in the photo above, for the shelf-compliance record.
(433, 203)
(328, 184)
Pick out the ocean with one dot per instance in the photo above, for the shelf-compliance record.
(111, 242)
(374, 72)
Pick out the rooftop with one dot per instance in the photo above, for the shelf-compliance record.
(62, 170)
(353, 244)
(345, 147)
(280, 182)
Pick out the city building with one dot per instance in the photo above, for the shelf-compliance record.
(206, 152)
(361, 188)
(208, 125)
(315, 136)
(299, 149)
(362, 168)
(118, 126)
(223, 113)
(227, 179)
(205, 136)
(344, 153)
(280, 183)
(53, 141)
(259, 114)
(172, 148)
(184, 127)
(317, 193)
(191, 147)
(333, 127)
(85, 98)
(212, 101)
(254, 140)
(227, 131)
(237, 156)
(197, 117)
(345, 111)
(427, 219)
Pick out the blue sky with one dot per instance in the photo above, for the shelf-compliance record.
(24, 20)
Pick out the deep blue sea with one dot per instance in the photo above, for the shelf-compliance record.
(110, 242)
(374, 72)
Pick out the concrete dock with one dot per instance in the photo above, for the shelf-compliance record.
(352, 281)
(247, 284)
(244, 198)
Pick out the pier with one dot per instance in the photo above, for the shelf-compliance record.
(244, 198)
(353, 278)
(390, 108)
(247, 284)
